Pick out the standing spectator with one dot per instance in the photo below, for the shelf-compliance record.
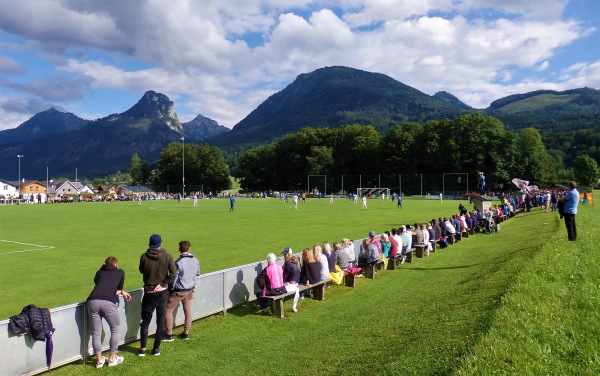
(270, 282)
(489, 220)
(231, 203)
(571, 200)
(188, 269)
(103, 302)
(158, 270)
(291, 274)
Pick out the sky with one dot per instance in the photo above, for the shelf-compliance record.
(223, 58)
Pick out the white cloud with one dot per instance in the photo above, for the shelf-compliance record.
(10, 65)
(195, 51)
(543, 66)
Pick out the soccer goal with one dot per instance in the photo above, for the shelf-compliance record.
(372, 192)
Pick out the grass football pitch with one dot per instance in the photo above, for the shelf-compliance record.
(50, 253)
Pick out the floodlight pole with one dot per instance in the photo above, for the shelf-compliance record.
(183, 166)
(19, 193)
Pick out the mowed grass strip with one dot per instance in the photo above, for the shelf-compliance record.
(420, 319)
(84, 234)
(549, 320)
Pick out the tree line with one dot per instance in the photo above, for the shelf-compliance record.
(467, 144)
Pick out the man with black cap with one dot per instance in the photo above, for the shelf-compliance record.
(158, 270)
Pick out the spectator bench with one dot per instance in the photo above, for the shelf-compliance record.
(420, 250)
(276, 301)
(350, 278)
(368, 270)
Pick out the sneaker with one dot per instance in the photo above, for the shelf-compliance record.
(156, 352)
(142, 352)
(184, 336)
(168, 338)
(115, 361)
(100, 363)
(294, 310)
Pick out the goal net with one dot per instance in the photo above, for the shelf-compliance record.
(372, 192)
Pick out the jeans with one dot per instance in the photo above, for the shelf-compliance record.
(150, 302)
(185, 297)
(103, 309)
(571, 227)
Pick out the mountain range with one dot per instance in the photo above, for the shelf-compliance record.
(327, 97)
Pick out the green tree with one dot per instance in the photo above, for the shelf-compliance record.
(204, 166)
(256, 168)
(135, 169)
(534, 163)
(585, 171)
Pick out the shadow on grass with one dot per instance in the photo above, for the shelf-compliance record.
(244, 309)
(420, 269)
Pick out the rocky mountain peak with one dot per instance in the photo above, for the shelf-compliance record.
(156, 105)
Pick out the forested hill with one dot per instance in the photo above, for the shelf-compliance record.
(334, 96)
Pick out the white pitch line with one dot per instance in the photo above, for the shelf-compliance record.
(39, 247)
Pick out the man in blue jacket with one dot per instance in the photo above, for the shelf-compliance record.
(571, 200)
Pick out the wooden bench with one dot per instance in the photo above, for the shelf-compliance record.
(451, 239)
(433, 245)
(368, 270)
(350, 278)
(392, 263)
(409, 255)
(420, 250)
(276, 301)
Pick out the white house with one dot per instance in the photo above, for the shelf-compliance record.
(9, 188)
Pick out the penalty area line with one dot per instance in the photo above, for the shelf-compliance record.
(39, 247)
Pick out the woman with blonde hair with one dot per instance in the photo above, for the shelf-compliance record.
(320, 257)
(310, 273)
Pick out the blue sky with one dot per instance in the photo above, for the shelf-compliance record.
(222, 59)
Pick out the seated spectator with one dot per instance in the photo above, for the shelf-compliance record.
(449, 227)
(329, 253)
(407, 237)
(369, 253)
(348, 248)
(319, 256)
(437, 229)
(393, 252)
(310, 272)
(270, 282)
(343, 257)
(337, 275)
(419, 236)
(291, 274)
(385, 244)
(425, 238)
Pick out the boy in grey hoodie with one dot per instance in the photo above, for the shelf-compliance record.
(182, 290)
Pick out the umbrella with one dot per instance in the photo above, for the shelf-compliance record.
(49, 347)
